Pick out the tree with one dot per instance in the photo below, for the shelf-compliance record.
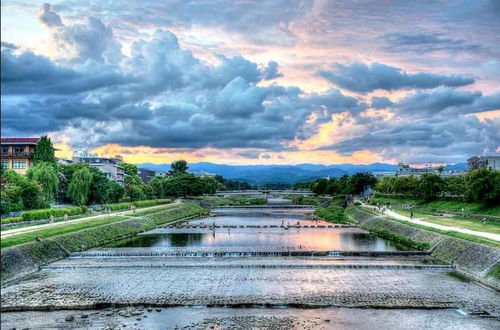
(44, 151)
(360, 181)
(211, 185)
(45, 174)
(31, 195)
(99, 186)
(115, 192)
(430, 186)
(178, 167)
(483, 186)
(79, 186)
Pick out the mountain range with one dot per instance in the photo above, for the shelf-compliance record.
(261, 174)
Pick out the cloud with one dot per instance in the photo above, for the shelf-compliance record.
(359, 77)
(380, 102)
(48, 17)
(425, 42)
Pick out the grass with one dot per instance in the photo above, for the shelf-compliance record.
(151, 211)
(441, 205)
(400, 239)
(58, 230)
(234, 200)
(495, 272)
(334, 214)
(467, 237)
(456, 221)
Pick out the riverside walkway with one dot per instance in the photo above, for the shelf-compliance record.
(27, 229)
(420, 221)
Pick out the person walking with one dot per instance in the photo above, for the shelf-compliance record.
(51, 218)
(411, 214)
(65, 217)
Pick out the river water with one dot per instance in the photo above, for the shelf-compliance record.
(273, 268)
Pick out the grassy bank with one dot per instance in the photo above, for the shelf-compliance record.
(334, 214)
(58, 230)
(455, 221)
(29, 256)
(234, 201)
(401, 239)
(445, 206)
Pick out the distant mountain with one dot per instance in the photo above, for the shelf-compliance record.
(456, 167)
(260, 174)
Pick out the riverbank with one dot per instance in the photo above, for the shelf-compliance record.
(26, 258)
(474, 261)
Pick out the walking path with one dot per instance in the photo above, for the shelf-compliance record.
(23, 230)
(418, 221)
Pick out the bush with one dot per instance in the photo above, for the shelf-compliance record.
(357, 203)
(118, 206)
(11, 220)
(163, 201)
(145, 203)
(46, 213)
(11, 207)
(333, 214)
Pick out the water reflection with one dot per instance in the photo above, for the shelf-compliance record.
(320, 240)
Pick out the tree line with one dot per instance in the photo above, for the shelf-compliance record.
(82, 184)
(480, 185)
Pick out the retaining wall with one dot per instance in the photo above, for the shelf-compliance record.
(471, 260)
(19, 260)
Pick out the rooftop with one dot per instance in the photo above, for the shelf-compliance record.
(19, 140)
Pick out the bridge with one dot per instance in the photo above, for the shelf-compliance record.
(267, 192)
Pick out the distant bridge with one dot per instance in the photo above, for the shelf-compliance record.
(267, 192)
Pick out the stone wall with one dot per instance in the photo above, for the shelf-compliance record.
(471, 260)
(19, 260)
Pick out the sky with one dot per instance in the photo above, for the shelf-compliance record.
(255, 82)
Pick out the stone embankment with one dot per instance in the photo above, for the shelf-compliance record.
(474, 261)
(20, 260)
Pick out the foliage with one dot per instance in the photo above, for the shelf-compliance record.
(345, 185)
(145, 203)
(236, 200)
(430, 186)
(179, 167)
(46, 213)
(11, 220)
(118, 207)
(483, 185)
(31, 195)
(45, 174)
(79, 186)
(333, 214)
(232, 184)
(44, 151)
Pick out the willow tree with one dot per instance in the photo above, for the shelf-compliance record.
(44, 151)
(79, 186)
(45, 175)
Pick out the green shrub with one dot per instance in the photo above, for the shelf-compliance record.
(46, 213)
(11, 220)
(145, 203)
(163, 201)
(11, 207)
(333, 214)
(357, 203)
(118, 206)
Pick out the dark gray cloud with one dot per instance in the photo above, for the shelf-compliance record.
(359, 77)
(48, 17)
(380, 102)
(425, 42)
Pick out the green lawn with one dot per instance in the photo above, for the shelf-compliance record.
(459, 222)
(58, 230)
(151, 211)
(442, 206)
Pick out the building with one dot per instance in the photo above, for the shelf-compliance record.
(109, 166)
(202, 174)
(161, 174)
(490, 162)
(146, 174)
(406, 170)
(17, 153)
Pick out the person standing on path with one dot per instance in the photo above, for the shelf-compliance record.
(65, 217)
(51, 218)
(411, 214)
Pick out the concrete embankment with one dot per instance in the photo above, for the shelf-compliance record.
(474, 261)
(19, 260)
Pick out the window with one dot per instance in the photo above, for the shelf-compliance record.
(19, 164)
(5, 150)
(18, 150)
(5, 164)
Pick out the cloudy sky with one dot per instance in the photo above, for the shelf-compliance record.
(255, 82)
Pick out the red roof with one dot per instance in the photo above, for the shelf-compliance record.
(19, 140)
